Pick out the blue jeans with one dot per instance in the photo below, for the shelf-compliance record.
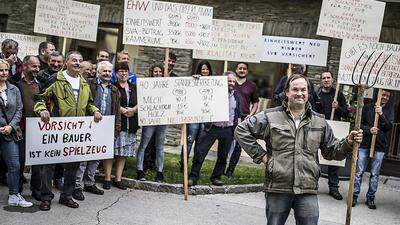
(147, 133)
(10, 153)
(278, 206)
(362, 163)
(193, 133)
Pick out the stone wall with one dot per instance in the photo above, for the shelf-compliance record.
(280, 17)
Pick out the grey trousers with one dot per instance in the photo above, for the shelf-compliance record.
(85, 174)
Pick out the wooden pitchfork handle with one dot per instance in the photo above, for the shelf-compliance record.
(376, 119)
(357, 126)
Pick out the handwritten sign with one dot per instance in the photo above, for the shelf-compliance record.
(69, 139)
(340, 130)
(67, 18)
(295, 50)
(349, 19)
(177, 100)
(27, 44)
(166, 24)
(232, 41)
(389, 76)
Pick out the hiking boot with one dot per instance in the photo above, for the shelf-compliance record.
(119, 184)
(371, 204)
(45, 205)
(69, 203)
(107, 185)
(335, 194)
(217, 182)
(93, 189)
(18, 200)
(159, 177)
(78, 194)
(140, 175)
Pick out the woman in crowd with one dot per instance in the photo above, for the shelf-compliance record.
(194, 129)
(147, 133)
(125, 142)
(11, 113)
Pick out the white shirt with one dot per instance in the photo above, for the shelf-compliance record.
(74, 81)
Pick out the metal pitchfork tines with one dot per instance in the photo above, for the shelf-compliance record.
(370, 70)
(360, 103)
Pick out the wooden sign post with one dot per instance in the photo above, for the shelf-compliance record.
(335, 99)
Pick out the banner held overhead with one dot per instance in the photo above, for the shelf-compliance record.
(295, 50)
(349, 19)
(67, 18)
(166, 24)
(232, 41)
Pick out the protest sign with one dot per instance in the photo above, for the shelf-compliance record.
(389, 76)
(69, 139)
(67, 18)
(179, 100)
(349, 19)
(340, 130)
(166, 24)
(27, 44)
(232, 41)
(295, 50)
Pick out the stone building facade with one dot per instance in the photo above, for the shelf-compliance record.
(280, 17)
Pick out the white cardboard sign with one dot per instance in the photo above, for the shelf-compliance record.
(232, 41)
(295, 50)
(340, 130)
(349, 19)
(389, 76)
(178, 100)
(69, 139)
(27, 44)
(67, 18)
(166, 24)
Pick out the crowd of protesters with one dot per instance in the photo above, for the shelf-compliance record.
(53, 85)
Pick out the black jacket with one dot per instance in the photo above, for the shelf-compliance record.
(385, 123)
(325, 106)
(132, 121)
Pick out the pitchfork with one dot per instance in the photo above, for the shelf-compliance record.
(360, 103)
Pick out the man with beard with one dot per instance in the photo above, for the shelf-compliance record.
(171, 65)
(70, 96)
(55, 64)
(385, 124)
(45, 49)
(326, 94)
(248, 94)
(29, 88)
(293, 133)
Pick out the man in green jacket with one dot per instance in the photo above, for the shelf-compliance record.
(293, 134)
(69, 95)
